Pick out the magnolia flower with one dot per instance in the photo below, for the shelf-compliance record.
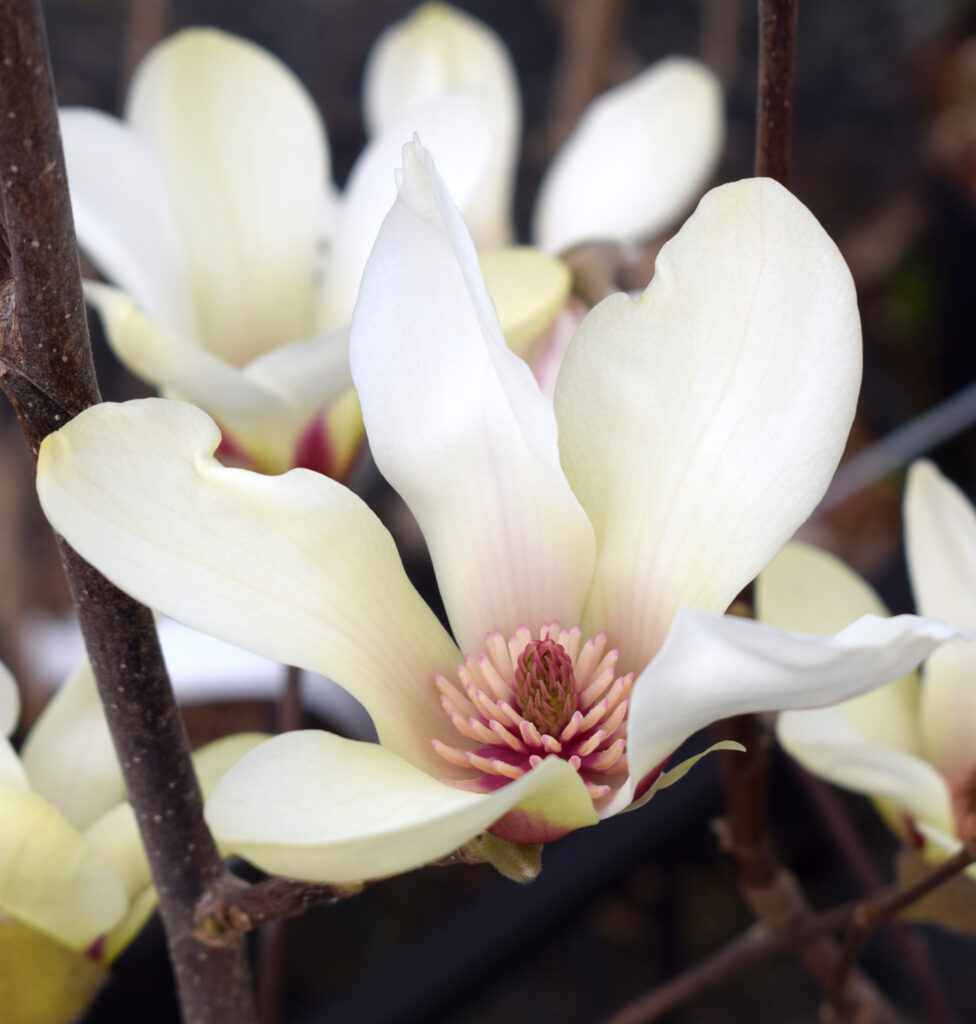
(582, 549)
(74, 883)
(909, 745)
(640, 155)
(208, 206)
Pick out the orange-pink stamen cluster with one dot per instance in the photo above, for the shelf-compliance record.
(525, 698)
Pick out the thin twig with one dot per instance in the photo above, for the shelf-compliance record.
(872, 913)
(774, 110)
(912, 951)
(758, 944)
(47, 372)
(227, 912)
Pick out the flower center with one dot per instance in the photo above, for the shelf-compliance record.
(526, 698)
(545, 686)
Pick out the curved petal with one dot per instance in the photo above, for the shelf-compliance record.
(458, 425)
(245, 159)
(828, 743)
(436, 51)
(528, 289)
(639, 156)
(69, 756)
(940, 540)
(311, 805)
(51, 877)
(11, 767)
(122, 214)
(9, 701)
(293, 567)
(44, 982)
(811, 591)
(264, 406)
(700, 426)
(713, 666)
(115, 834)
(371, 189)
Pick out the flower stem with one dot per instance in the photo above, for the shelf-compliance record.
(774, 109)
(47, 372)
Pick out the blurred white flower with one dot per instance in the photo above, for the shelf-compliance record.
(909, 745)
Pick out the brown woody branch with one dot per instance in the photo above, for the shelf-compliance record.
(46, 370)
(774, 109)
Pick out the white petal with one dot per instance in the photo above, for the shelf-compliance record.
(293, 567)
(940, 538)
(712, 667)
(122, 214)
(452, 128)
(829, 743)
(9, 701)
(311, 805)
(436, 51)
(458, 425)
(700, 426)
(811, 591)
(51, 877)
(68, 754)
(264, 406)
(639, 156)
(245, 160)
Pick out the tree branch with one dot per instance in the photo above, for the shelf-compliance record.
(774, 110)
(47, 372)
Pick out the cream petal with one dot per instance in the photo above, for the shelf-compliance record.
(245, 159)
(811, 591)
(458, 426)
(9, 701)
(640, 155)
(940, 539)
(700, 426)
(51, 877)
(713, 666)
(528, 289)
(312, 805)
(264, 406)
(828, 743)
(122, 214)
(371, 188)
(436, 51)
(941, 845)
(115, 834)
(293, 567)
(68, 754)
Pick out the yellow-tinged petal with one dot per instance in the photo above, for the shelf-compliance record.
(314, 806)
(700, 426)
(51, 876)
(43, 981)
(831, 744)
(245, 160)
(69, 756)
(479, 465)
(640, 155)
(436, 51)
(713, 666)
(811, 591)
(264, 405)
(528, 289)
(293, 567)
(940, 539)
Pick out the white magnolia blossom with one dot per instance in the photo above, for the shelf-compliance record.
(640, 156)
(909, 744)
(74, 882)
(692, 431)
(235, 262)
